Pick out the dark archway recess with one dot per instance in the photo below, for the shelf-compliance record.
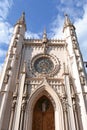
(43, 115)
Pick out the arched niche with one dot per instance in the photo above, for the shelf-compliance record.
(43, 115)
(51, 95)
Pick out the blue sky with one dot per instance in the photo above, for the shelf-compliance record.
(42, 14)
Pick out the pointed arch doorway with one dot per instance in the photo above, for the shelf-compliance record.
(43, 115)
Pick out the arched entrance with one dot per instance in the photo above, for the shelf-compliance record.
(43, 115)
(53, 98)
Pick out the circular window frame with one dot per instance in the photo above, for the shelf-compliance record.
(56, 65)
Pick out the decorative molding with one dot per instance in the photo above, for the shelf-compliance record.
(39, 43)
(6, 78)
(55, 61)
(36, 83)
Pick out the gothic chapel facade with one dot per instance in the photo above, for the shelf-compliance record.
(43, 83)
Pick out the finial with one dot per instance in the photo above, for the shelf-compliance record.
(22, 19)
(67, 20)
(44, 36)
(44, 30)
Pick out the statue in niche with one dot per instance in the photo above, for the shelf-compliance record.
(82, 79)
(44, 106)
(6, 78)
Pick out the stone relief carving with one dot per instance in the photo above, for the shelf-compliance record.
(82, 78)
(6, 77)
(55, 61)
(57, 86)
(64, 104)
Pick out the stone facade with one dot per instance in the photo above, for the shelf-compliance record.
(43, 70)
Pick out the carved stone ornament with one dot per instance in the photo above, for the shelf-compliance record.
(44, 64)
(82, 79)
(6, 78)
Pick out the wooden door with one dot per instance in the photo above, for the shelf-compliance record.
(43, 115)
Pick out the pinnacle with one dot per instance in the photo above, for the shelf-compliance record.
(44, 36)
(44, 30)
(22, 19)
(67, 20)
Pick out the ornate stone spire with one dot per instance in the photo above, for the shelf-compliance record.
(67, 22)
(44, 36)
(22, 18)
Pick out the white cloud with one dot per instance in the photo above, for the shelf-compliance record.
(5, 32)
(2, 53)
(32, 35)
(81, 28)
(74, 8)
(4, 8)
(1, 66)
(80, 22)
(5, 27)
(57, 28)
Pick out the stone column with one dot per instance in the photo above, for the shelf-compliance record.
(6, 85)
(23, 107)
(75, 113)
(79, 81)
(57, 122)
(22, 118)
(69, 103)
(65, 113)
(19, 100)
(13, 108)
